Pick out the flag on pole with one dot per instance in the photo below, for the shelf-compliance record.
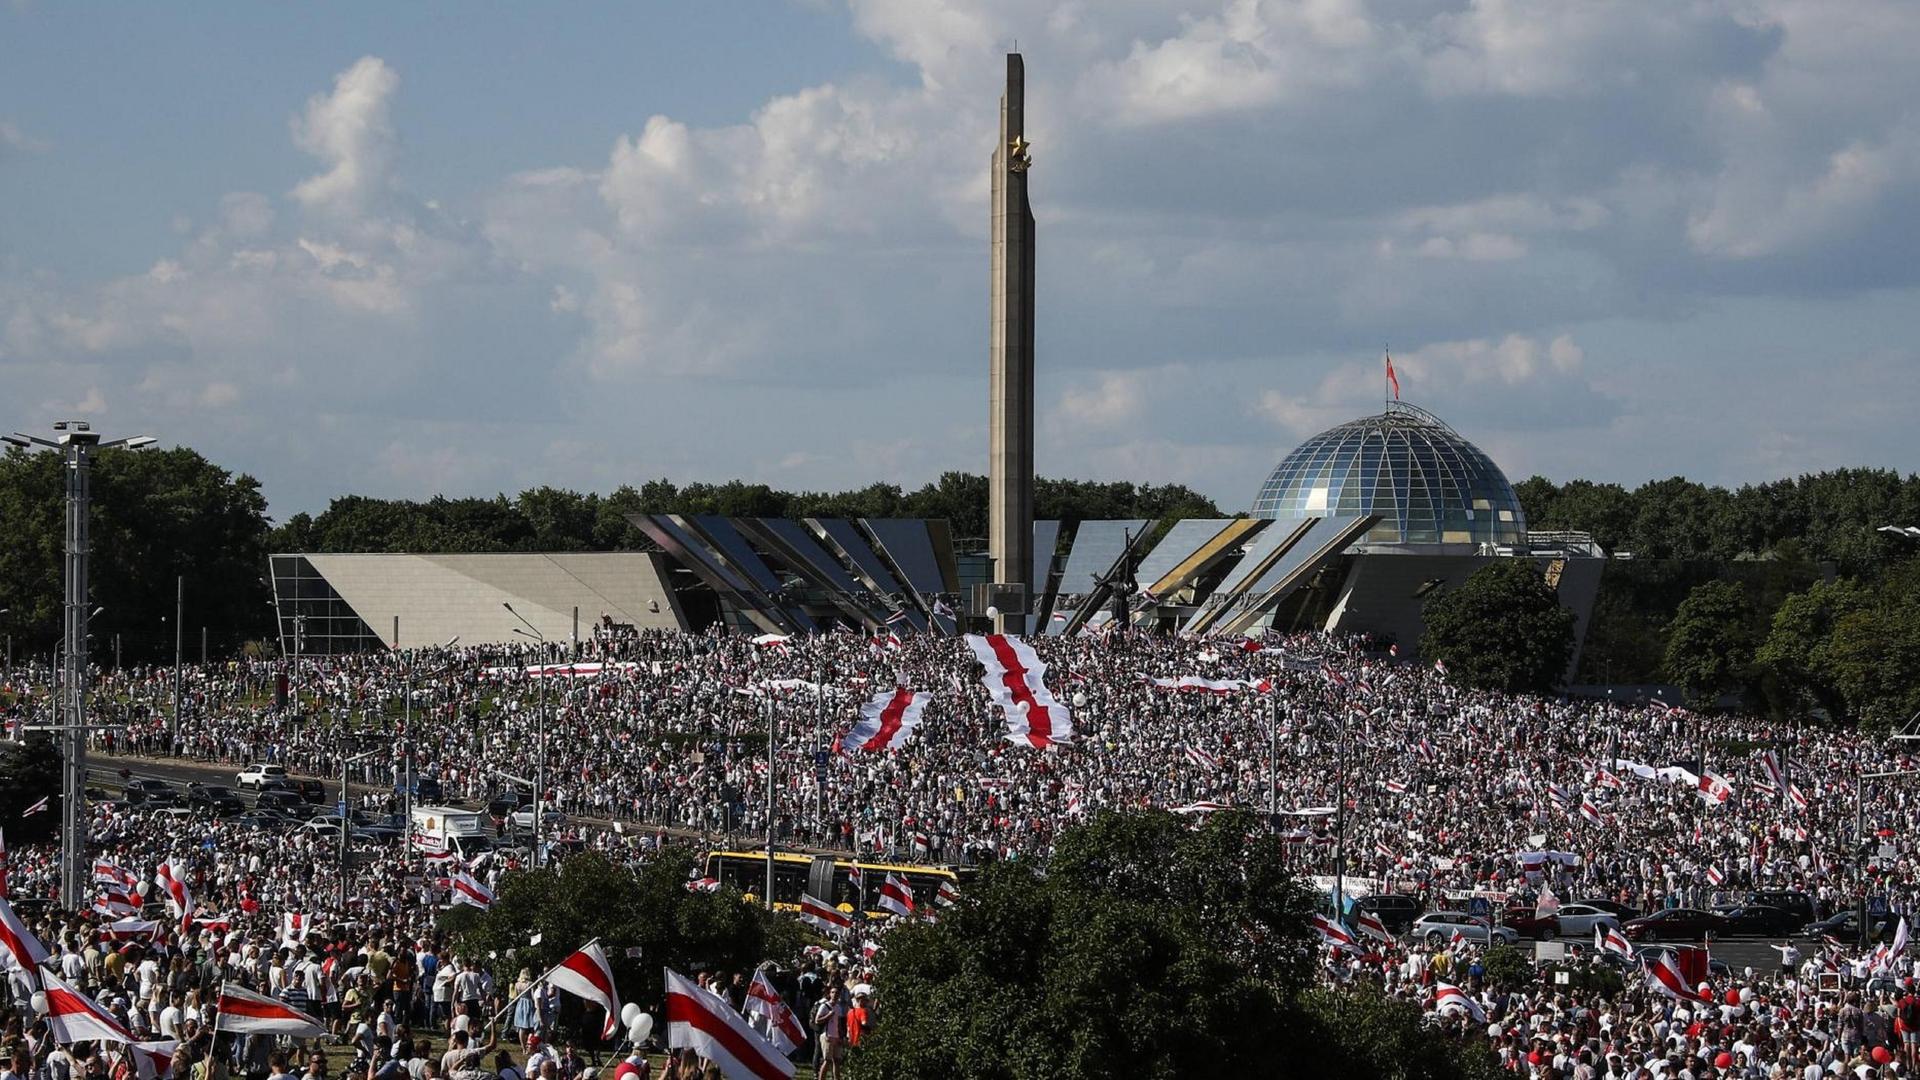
(707, 1025)
(1015, 679)
(1393, 380)
(39, 807)
(823, 916)
(783, 1027)
(587, 975)
(74, 1017)
(948, 894)
(1335, 933)
(249, 1013)
(895, 896)
(153, 1060)
(857, 878)
(1369, 923)
(1609, 939)
(1714, 876)
(1663, 977)
(468, 890)
(23, 951)
(887, 720)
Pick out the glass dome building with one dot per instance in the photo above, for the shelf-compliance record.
(1428, 484)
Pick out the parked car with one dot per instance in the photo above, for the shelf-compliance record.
(1438, 927)
(1844, 926)
(1578, 920)
(255, 776)
(1759, 920)
(1527, 923)
(151, 793)
(522, 819)
(222, 802)
(1790, 900)
(1622, 912)
(1675, 924)
(275, 799)
(1395, 911)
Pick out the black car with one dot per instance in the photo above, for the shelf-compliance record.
(221, 801)
(1844, 926)
(1395, 912)
(311, 791)
(1789, 900)
(273, 799)
(426, 788)
(1759, 920)
(153, 794)
(500, 806)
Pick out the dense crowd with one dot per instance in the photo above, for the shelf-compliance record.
(1381, 771)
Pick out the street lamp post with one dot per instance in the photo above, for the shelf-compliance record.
(346, 821)
(406, 731)
(77, 443)
(179, 625)
(540, 733)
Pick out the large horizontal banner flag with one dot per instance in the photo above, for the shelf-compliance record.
(249, 1013)
(887, 720)
(1015, 679)
(1212, 686)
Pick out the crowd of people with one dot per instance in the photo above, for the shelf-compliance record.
(1382, 772)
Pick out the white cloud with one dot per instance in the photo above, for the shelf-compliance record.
(1116, 398)
(350, 130)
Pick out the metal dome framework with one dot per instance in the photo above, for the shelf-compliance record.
(1428, 483)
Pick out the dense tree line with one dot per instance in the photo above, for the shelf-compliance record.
(1820, 517)
(554, 519)
(157, 515)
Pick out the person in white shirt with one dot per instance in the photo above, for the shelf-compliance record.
(170, 1018)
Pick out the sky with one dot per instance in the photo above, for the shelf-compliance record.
(461, 249)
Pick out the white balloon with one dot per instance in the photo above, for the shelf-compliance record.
(993, 612)
(641, 1027)
(39, 1003)
(629, 1013)
(140, 888)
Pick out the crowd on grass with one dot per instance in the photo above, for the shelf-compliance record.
(1380, 769)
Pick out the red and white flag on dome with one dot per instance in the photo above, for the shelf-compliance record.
(172, 879)
(74, 1017)
(18, 947)
(153, 1060)
(587, 975)
(1015, 679)
(707, 1025)
(887, 720)
(249, 1013)
(783, 1027)
(467, 889)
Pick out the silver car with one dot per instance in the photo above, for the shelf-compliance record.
(1440, 927)
(1579, 920)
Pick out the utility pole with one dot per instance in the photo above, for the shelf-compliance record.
(771, 723)
(179, 629)
(346, 822)
(540, 736)
(77, 443)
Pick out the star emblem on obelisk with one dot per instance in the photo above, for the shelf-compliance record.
(1018, 159)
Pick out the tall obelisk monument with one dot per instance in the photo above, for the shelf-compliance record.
(1010, 411)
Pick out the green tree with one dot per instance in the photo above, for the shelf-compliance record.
(1872, 654)
(1502, 629)
(1710, 644)
(29, 772)
(1796, 649)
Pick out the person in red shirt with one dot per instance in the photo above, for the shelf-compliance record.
(857, 1020)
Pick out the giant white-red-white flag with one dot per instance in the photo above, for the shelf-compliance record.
(1015, 679)
(586, 974)
(707, 1025)
(22, 949)
(783, 1027)
(468, 890)
(172, 879)
(249, 1013)
(887, 720)
(824, 916)
(74, 1017)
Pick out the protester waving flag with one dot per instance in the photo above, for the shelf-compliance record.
(707, 1025)
(22, 951)
(783, 1027)
(153, 1060)
(587, 975)
(895, 896)
(467, 889)
(1663, 977)
(823, 916)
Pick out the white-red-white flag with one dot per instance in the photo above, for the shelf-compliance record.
(153, 1060)
(39, 807)
(895, 896)
(1449, 999)
(887, 720)
(783, 1027)
(1609, 939)
(468, 889)
(948, 895)
(586, 974)
(129, 929)
(707, 1025)
(18, 946)
(1015, 679)
(1203, 759)
(1714, 876)
(249, 1013)
(74, 1017)
(821, 915)
(294, 926)
(1335, 933)
(1663, 977)
(172, 879)
(1369, 924)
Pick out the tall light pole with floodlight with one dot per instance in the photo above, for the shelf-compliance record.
(77, 443)
(540, 732)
